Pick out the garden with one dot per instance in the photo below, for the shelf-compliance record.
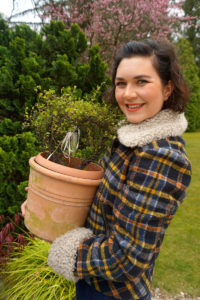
(56, 97)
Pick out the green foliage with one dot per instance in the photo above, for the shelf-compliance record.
(53, 116)
(27, 276)
(15, 152)
(96, 67)
(192, 33)
(7, 126)
(54, 58)
(4, 33)
(190, 72)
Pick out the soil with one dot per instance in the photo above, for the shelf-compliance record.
(60, 159)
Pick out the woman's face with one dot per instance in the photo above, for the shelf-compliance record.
(138, 89)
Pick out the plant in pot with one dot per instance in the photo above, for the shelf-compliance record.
(61, 186)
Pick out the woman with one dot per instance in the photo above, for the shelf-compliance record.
(147, 173)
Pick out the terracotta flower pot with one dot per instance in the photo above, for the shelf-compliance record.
(59, 197)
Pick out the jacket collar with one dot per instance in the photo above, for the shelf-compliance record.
(164, 124)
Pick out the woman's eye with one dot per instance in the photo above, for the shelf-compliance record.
(120, 83)
(142, 81)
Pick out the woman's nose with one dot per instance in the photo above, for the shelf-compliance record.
(130, 92)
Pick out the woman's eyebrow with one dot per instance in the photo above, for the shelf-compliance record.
(141, 76)
(135, 77)
(119, 78)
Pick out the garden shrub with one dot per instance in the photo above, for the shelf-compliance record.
(190, 72)
(54, 116)
(11, 237)
(15, 152)
(54, 58)
(9, 127)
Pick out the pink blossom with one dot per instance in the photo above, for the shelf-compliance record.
(110, 23)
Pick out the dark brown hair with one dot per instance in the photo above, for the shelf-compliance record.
(166, 64)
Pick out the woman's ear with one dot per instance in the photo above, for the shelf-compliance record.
(168, 89)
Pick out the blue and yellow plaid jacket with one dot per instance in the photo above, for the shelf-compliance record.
(145, 181)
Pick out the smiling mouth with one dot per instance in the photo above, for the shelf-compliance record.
(134, 107)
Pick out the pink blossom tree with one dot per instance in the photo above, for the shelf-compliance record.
(110, 23)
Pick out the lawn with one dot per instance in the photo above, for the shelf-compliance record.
(178, 265)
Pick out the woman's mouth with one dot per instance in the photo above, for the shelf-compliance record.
(133, 107)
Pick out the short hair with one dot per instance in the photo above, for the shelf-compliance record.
(165, 63)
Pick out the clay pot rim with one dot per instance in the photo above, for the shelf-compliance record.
(95, 173)
(82, 181)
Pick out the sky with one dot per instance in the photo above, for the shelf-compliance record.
(6, 7)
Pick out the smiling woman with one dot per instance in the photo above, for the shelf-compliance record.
(139, 90)
(147, 173)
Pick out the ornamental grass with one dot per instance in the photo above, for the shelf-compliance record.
(27, 276)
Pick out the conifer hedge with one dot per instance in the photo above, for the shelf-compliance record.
(190, 72)
(51, 59)
(15, 152)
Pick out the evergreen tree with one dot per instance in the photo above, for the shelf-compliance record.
(190, 72)
(192, 33)
(54, 58)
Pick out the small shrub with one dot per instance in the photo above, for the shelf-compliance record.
(53, 116)
(11, 235)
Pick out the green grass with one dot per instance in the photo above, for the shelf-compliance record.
(178, 265)
(28, 277)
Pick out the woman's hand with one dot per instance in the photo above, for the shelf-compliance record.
(23, 206)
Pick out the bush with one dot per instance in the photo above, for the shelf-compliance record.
(11, 234)
(190, 72)
(15, 152)
(54, 58)
(53, 116)
(8, 127)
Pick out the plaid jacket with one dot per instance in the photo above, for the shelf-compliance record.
(145, 181)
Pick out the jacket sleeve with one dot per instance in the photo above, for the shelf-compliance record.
(144, 206)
